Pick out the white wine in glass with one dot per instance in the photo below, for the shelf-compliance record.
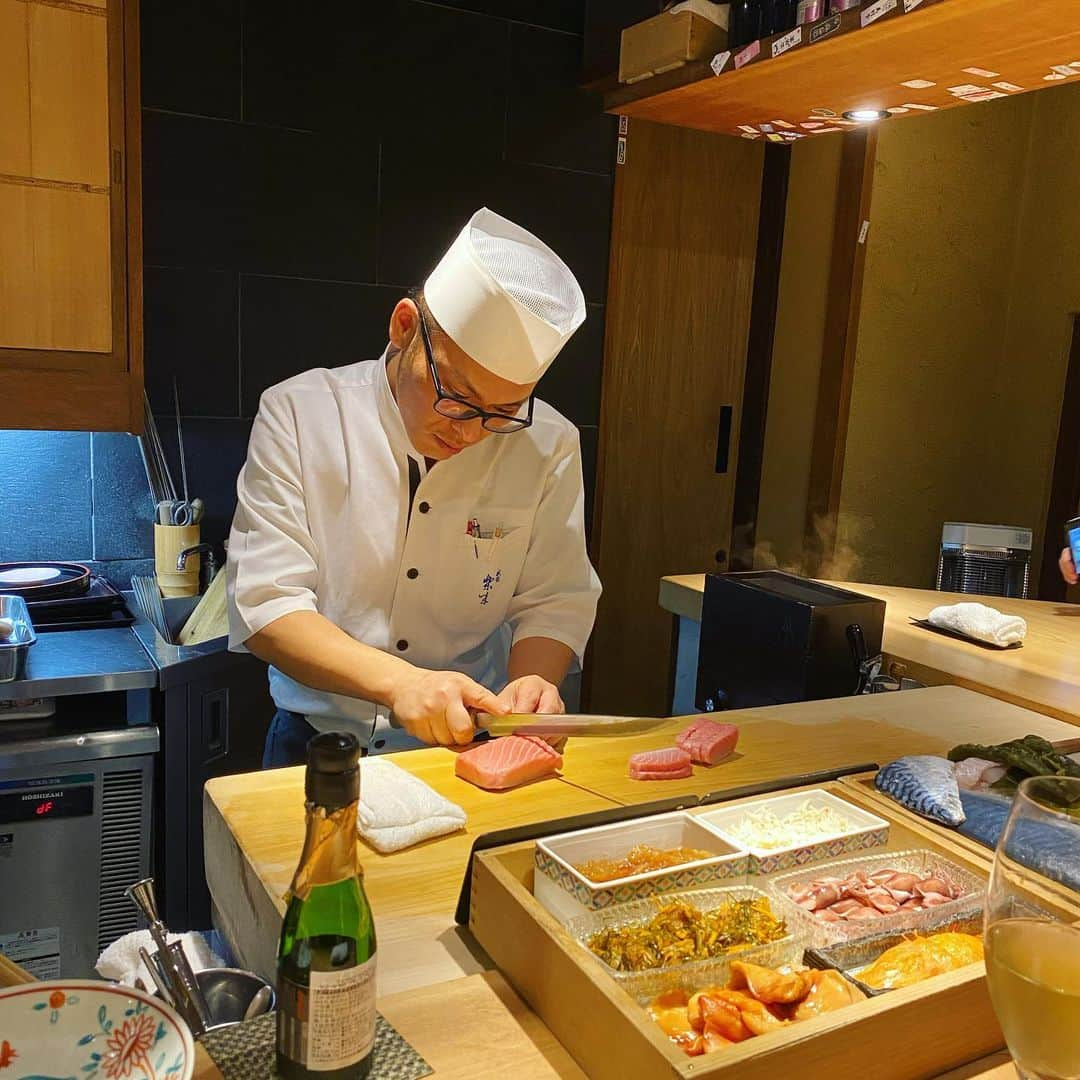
(1032, 932)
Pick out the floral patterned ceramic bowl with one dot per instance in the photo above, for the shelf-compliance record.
(76, 1029)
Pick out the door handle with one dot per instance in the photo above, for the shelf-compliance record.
(215, 718)
(723, 440)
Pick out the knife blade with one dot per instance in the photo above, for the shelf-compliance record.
(561, 725)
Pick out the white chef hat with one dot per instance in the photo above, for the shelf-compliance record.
(505, 297)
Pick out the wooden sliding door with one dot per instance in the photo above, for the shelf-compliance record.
(684, 234)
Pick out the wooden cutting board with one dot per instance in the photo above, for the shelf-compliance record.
(790, 740)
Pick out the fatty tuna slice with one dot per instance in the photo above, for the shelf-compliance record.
(661, 774)
(505, 763)
(707, 741)
(670, 763)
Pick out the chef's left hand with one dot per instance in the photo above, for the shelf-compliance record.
(532, 694)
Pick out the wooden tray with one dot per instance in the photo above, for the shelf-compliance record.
(916, 1031)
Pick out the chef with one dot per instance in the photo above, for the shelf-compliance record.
(409, 544)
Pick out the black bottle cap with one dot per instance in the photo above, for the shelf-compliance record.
(333, 770)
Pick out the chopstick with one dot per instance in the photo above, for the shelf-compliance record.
(180, 439)
(157, 466)
(148, 596)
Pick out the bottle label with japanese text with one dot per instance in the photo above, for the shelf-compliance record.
(330, 1023)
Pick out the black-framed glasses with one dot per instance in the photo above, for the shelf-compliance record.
(455, 408)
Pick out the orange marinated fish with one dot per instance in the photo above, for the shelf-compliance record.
(640, 859)
(918, 959)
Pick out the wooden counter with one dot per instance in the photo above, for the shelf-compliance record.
(1043, 675)
(254, 829)
(450, 1023)
(254, 825)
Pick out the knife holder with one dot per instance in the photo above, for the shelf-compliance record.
(169, 541)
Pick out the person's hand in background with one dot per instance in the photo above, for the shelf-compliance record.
(1068, 567)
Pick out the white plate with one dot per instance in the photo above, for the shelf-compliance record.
(93, 1031)
(862, 830)
(29, 575)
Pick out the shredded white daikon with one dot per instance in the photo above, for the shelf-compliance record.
(806, 824)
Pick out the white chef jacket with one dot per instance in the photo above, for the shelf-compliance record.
(323, 523)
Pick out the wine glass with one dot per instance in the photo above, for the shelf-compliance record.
(1032, 929)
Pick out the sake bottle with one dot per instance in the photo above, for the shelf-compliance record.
(326, 956)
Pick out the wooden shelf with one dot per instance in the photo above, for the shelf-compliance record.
(857, 66)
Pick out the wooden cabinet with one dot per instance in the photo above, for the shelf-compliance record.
(70, 223)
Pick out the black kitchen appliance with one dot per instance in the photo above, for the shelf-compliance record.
(768, 637)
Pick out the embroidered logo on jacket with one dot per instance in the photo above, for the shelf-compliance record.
(487, 584)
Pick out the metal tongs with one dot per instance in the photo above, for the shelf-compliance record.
(168, 966)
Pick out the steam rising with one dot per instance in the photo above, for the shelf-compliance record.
(829, 555)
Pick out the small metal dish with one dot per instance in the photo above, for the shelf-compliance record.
(229, 992)
(16, 637)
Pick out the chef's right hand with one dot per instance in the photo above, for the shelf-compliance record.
(1068, 567)
(434, 706)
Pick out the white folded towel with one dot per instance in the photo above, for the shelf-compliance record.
(981, 622)
(121, 962)
(398, 810)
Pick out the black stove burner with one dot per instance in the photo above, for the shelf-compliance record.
(100, 607)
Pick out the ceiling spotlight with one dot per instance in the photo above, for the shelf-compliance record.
(866, 116)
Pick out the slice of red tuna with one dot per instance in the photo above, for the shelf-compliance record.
(664, 774)
(670, 763)
(708, 741)
(505, 763)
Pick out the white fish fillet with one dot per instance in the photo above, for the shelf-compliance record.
(977, 774)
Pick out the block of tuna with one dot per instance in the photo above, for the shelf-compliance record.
(668, 764)
(707, 741)
(505, 763)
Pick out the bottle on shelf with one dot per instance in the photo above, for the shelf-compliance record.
(809, 11)
(326, 956)
(837, 6)
(744, 23)
(778, 16)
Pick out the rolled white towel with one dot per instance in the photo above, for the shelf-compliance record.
(981, 622)
(398, 809)
(121, 962)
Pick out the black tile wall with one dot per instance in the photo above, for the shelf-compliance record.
(549, 120)
(336, 328)
(565, 15)
(446, 86)
(309, 203)
(317, 70)
(191, 327)
(192, 194)
(300, 169)
(191, 58)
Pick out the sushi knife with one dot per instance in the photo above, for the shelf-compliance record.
(548, 724)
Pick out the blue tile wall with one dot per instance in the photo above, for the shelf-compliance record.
(298, 175)
(75, 497)
(123, 511)
(45, 496)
